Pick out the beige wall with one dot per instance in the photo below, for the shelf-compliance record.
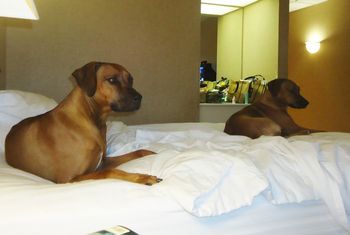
(229, 48)
(209, 26)
(324, 76)
(2, 53)
(253, 40)
(260, 39)
(283, 27)
(156, 40)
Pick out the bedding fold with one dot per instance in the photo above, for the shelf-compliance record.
(209, 173)
(283, 170)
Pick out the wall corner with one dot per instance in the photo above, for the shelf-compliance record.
(2, 53)
(283, 38)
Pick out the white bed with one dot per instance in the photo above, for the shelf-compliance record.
(212, 183)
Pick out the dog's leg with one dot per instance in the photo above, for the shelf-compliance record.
(112, 162)
(304, 131)
(252, 127)
(108, 169)
(267, 127)
(119, 174)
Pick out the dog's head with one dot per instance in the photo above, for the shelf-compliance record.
(287, 93)
(110, 85)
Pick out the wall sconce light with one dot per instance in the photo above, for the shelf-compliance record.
(312, 47)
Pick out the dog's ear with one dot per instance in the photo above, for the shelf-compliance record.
(86, 77)
(274, 86)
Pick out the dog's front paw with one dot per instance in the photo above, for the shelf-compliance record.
(148, 179)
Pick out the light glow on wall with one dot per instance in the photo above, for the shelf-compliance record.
(312, 47)
(313, 43)
(23, 9)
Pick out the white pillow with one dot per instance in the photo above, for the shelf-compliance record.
(16, 105)
(24, 104)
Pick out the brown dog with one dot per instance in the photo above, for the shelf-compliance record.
(268, 115)
(68, 143)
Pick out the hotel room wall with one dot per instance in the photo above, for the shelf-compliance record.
(260, 39)
(229, 47)
(254, 41)
(2, 53)
(157, 41)
(209, 39)
(324, 76)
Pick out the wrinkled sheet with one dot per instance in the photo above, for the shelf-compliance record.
(212, 183)
(210, 173)
(205, 172)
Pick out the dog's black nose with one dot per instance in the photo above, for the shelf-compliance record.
(301, 103)
(137, 97)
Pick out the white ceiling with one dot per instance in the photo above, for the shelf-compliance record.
(299, 4)
(293, 4)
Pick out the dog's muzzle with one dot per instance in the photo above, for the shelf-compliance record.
(301, 103)
(130, 102)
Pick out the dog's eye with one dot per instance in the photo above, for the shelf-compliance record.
(112, 80)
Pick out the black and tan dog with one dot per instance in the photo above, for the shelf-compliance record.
(68, 143)
(268, 115)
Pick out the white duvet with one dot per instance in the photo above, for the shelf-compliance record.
(209, 173)
(205, 172)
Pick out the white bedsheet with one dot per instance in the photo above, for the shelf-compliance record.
(290, 170)
(212, 184)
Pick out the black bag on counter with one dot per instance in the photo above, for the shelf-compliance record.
(214, 96)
